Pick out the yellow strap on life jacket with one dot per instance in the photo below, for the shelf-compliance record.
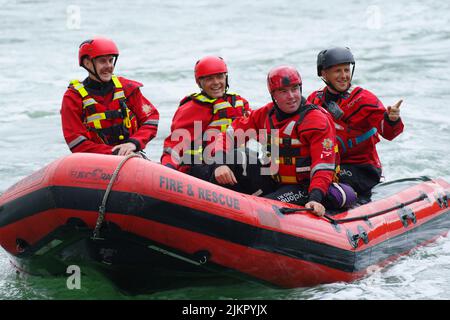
(119, 95)
(116, 82)
(202, 98)
(88, 102)
(225, 104)
(79, 87)
(220, 106)
(194, 152)
(223, 123)
(95, 119)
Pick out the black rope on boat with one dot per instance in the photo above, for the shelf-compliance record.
(102, 208)
(366, 217)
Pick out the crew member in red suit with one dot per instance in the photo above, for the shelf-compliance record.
(360, 118)
(200, 117)
(105, 113)
(305, 137)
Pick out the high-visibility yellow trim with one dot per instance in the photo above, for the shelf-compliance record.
(116, 81)
(220, 122)
(200, 97)
(76, 141)
(88, 102)
(221, 106)
(194, 152)
(239, 103)
(198, 152)
(119, 95)
(95, 119)
(79, 87)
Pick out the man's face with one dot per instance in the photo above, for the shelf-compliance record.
(288, 98)
(214, 85)
(104, 66)
(339, 76)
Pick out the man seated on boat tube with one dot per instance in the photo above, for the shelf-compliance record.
(105, 113)
(201, 117)
(304, 139)
(360, 118)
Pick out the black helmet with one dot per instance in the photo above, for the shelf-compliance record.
(334, 56)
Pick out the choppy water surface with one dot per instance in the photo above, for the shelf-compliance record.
(401, 50)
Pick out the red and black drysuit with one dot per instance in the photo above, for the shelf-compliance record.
(360, 118)
(97, 116)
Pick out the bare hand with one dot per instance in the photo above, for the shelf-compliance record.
(318, 208)
(125, 148)
(394, 111)
(224, 175)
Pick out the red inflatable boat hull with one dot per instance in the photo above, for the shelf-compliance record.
(205, 228)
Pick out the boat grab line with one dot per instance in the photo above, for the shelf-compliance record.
(174, 255)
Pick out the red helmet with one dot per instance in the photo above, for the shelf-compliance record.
(97, 47)
(209, 65)
(282, 76)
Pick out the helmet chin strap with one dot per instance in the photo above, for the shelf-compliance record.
(330, 85)
(95, 73)
(226, 84)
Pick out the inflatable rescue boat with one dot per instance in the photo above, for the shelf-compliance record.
(148, 227)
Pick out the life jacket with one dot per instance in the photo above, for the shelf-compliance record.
(223, 111)
(112, 124)
(223, 114)
(347, 136)
(294, 160)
